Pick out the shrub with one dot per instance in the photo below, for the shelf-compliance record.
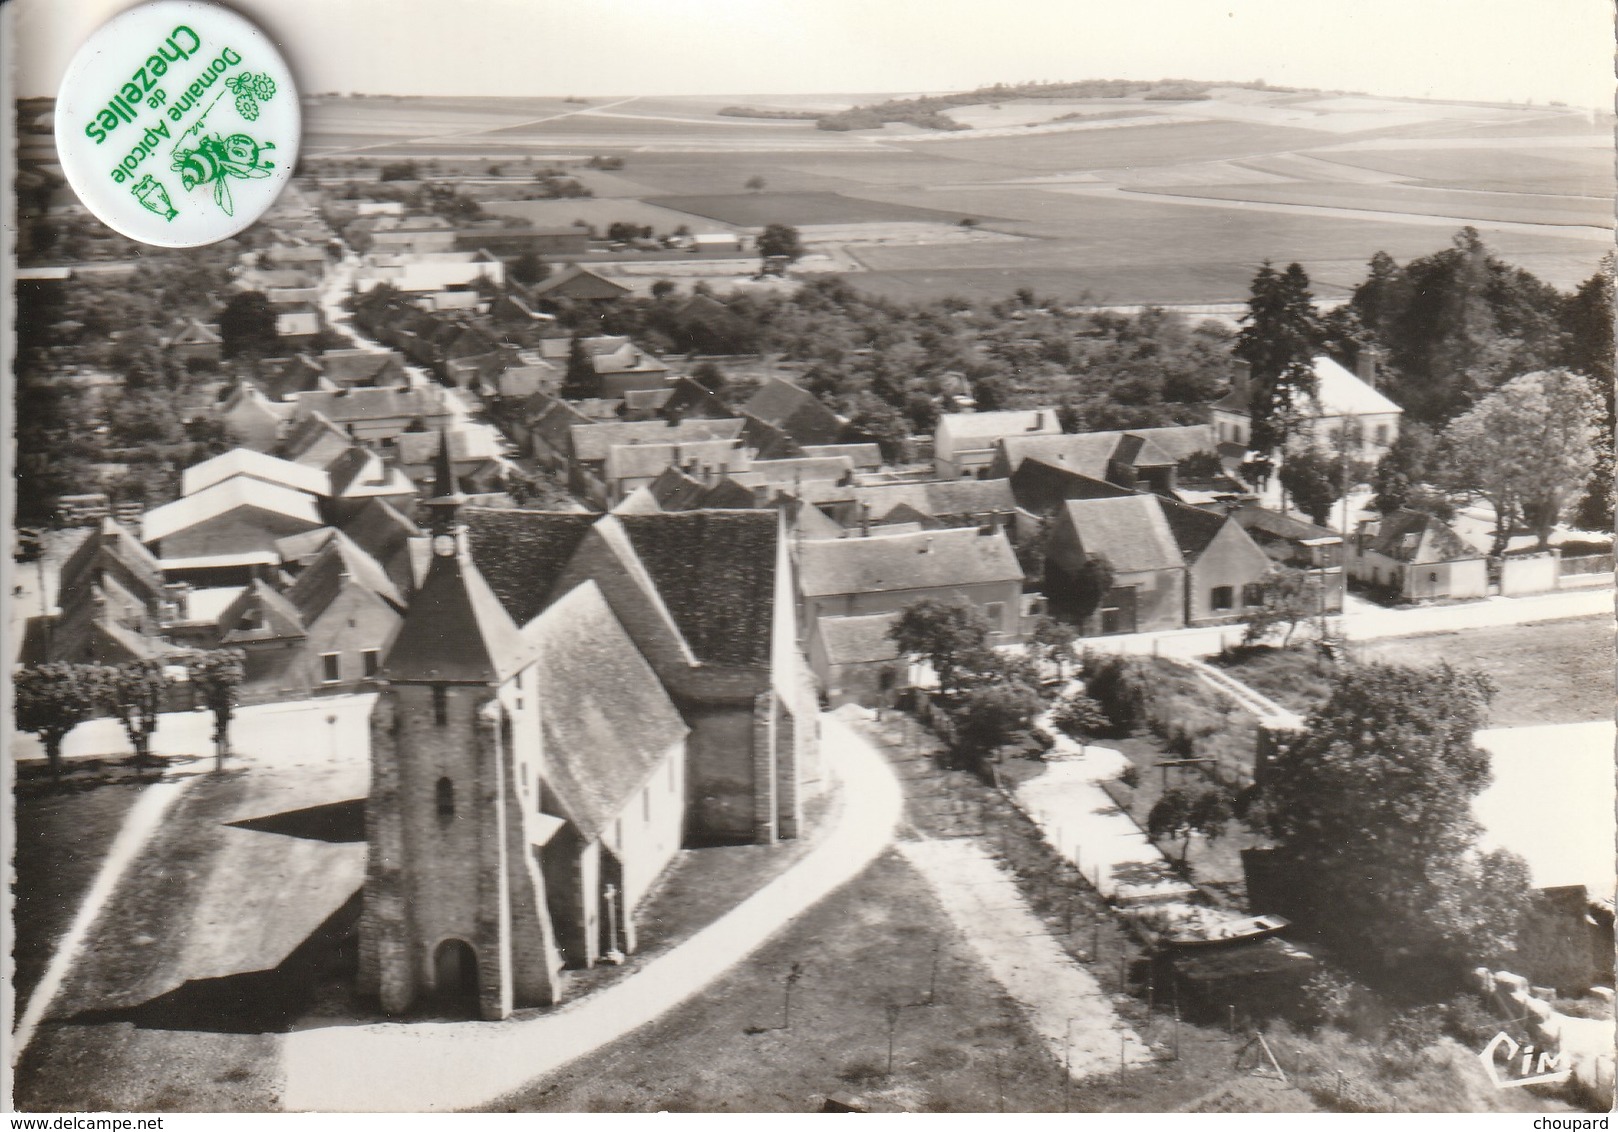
(1120, 685)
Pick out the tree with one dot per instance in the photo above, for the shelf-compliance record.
(1183, 811)
(1121, 685)
(1080, 717)
(1092, 581)
(879, 423)
(780, 240)
(1314, 481)
(50, 700)
(247, 326)
(580, 381)
(755, 184)
(135, 692)
(663, 288)
(994, 714)
(217, 675)
(948, 633)
(1404, 467)
(1371, 809)
(528, 268)
(1052, 643)
(1289, 600)
(709, 376)
(1279, 339)
(1588, 317)
(1527, 448)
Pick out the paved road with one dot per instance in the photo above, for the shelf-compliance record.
(439, 1067)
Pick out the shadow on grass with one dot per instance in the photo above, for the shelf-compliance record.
(34, 779)
(340, 823)
(252, 1002)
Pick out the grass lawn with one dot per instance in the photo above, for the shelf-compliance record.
(62, 837)
(1546, 672)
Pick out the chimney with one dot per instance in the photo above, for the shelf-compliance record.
(865, 519)
(1039, 422)
(178, 595)
(927, 546)
(1365, 364)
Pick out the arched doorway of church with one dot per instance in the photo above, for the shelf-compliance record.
(455, 971)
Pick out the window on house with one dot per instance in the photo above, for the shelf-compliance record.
(1382, 434)
(330, 671)
(440, 704)
(996, 612)
(445, 799)
(1253, 594)
(373, 661)
(1432, 575)
(1223, 597)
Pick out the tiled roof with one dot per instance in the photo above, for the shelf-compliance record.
(979, 430)
(591, 442)
(1040, 486)
(339, 563)
(1139, 452)
(211, 502)
(1193, 528)
(256, 465)
(794, 410)
(357, 367)
(858, 640)
(365, 404)
(635, 461)
(715, 570)
(793, 469)
(607, 722)
(1419, 539)
(1341, 393)
(522, 553)
(1262, 522)
(456, 631)
(957, 556)
(309, 431)
(278, 618)
(1130, 532)
(939, 498)
(1179, 441)
(1087, 453)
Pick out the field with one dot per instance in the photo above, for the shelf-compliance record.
(1172, 202)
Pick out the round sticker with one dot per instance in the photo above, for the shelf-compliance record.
(177, 123)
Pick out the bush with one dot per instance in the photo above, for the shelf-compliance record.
(1080, 717)
(1120, 685)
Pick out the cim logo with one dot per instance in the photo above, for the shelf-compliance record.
(1510, 1066)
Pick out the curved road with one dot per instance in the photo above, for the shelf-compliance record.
(441, 1067)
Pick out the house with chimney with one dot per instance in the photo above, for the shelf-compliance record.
(570, 699)
(590, 444)
(1341, 400)
(113, 601)
(856, 660)
(964, 443)
(1144, 459)
(192, 340)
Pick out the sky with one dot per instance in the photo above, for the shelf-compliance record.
(1485, 50)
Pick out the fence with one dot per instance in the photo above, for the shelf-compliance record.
(1588, 564)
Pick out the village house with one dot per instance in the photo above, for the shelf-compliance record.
(1144, 459)
(419, 272)
(257, 466)
(782, 418)
(474, 453)
(298, 328)
(964, 443)
(370, 368)
(631, 466)
(280, 378)
(530, 783)
(1413, 556)
(193, 341)
(884, 573)
(933, 503)
(225, 534)
(313, 441)
(856, 661)
(1342, 399)
(591, 443)
(390, 537)
(361, 474)
(1225, 568)
(1132, 535)
(113, 600)
(1290, 541)
(574, 284)
(380, 414)
(252, 419)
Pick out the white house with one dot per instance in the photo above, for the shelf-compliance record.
(964, 443)
(1340, 396)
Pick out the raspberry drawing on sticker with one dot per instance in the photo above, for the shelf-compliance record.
(215, 160)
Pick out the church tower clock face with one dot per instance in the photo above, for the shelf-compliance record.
(444, 545)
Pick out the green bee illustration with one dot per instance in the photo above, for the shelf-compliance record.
(215, 160)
